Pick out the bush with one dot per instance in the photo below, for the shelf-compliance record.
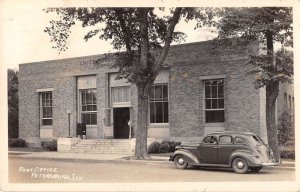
(285, 128)
(287, 155)
(16, 143)
(164, 148)
(50, 145)
(154, 147)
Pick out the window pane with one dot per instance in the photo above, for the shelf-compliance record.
(158, 93)
(152, 94)
(120, 94)
(159, 112)
(221, 91)
(152, 113)
(166, 112)
(165, 92)
(93, 119)
(94, 97)
(85, 118)
(239, 140)
(44, 112)
(50, 112)
(221, 103)
(83, 97)
(214, 104)
(208, 104)
(47, 122)
(214, 93)
(214, 116)
(225, 139)
(90, 108)
(207, 92)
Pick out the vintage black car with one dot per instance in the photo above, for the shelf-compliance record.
(241, 151)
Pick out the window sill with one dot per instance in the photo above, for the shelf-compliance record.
(91, 126)
(159, 125)
(214, 124)
(46, 127)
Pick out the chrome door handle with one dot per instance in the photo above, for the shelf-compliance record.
(216, 147)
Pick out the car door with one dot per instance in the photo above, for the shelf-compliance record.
(225, 149)
(208, 150)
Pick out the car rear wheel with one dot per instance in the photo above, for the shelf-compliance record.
(240, 165)
(255, 169)
(180, 162)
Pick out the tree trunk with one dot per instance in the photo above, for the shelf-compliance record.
(271, 94)
(142, 122)
(272, 88)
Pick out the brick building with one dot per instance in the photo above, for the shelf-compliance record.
(204, 88)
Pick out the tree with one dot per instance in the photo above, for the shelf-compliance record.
(269, 25)
(12, 87)
(144, 39)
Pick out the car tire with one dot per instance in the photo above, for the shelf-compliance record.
(255, 169)
(240, 165)
(180, 162)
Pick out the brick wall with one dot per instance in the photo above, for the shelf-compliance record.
(187, 63)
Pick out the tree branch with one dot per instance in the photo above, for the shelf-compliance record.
(168, 39)
(144, 36)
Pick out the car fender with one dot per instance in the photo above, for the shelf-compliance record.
(191, 157)
(247, 155)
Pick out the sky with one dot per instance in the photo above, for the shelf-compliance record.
(25, 40)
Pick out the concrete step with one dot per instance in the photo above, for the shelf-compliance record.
(109, 146)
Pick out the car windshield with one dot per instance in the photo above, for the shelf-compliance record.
(258, 140)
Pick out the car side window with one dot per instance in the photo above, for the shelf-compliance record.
(239, 140)
(210, 140)
(225, 139)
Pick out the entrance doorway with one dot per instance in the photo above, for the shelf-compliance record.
(121, 117)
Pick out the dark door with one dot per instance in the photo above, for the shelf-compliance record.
(121, 118)
(225, 149)
(208, 150)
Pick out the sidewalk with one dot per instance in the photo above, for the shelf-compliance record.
(91, 157)
(96, 157)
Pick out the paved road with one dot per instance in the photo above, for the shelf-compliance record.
(23, 170)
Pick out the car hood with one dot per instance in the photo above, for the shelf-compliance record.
(188, 146)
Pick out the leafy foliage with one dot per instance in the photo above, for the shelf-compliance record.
(50, 145)
(163, 147)
(256, 22)
(16, 142)
(279, 71)
(268, 25)
(285, 128)
(13, 107)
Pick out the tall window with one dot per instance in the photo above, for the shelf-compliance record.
(159, 99)
(46, 108)
(214, 101)
(88, 106)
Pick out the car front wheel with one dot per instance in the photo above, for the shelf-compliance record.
(181, 162)
(240, 165)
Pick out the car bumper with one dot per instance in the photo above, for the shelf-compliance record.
(271, 164)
